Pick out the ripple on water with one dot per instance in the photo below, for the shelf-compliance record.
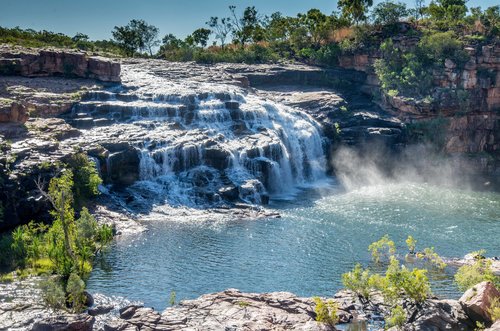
(305, 252)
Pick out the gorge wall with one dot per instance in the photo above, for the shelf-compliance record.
(464, 107)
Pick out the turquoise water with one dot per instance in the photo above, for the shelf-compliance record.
(319, 236)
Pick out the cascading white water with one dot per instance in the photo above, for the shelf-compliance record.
(199, 138)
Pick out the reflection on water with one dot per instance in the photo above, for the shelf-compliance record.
(305, 252)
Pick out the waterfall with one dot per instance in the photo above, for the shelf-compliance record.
(209, 141)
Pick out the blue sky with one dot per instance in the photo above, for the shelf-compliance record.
(97, 18)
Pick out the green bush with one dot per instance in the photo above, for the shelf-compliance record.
(384, 246)
(86, 179)
(435, 48)
(397, 317)
(432, 257)
(402, 72)
(75, 288)
(494, 309)
(411, 243)
(53, 293)
(358, 281)
(469, 275)
(414, 284)
(326, 312)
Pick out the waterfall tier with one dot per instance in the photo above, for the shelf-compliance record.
(200, 142)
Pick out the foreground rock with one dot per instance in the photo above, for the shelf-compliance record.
(477, 301)
(228, 310)
(81, 322)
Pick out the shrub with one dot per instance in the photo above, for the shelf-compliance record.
(436, 47)
(358, 281)
(53, 293)
(411, 243)
(326, 312)
(433, 258)
(494, 309)
(414, 284)
(397, 317)
(388, 12)
(377, 248)
(75, 289)
(402, 72)
(470, 275)
(86, 179)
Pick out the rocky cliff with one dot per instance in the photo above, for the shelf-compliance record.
(49, 62)
(16, 105)
(465, 101)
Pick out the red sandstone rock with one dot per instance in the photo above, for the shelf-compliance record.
(476, 300)
(45, 63)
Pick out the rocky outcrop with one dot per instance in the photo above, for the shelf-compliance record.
(230, 309)
(83, 322)
(467, 96)
(12, 112)
(43, 63)
(29, 154)
(476, 301)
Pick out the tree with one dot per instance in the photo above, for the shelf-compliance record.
(448, 10)
(171, 42)
(278, 27)
(247, 27)
(317, 25)
(80, 37)
(419, 9)
(200, 36)
(354, 10)
(137, 34)
(127, 39)
(389, 13)
(221, 27)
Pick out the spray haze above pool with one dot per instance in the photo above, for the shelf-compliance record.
(305, 251)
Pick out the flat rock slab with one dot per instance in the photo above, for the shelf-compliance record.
(228, 310)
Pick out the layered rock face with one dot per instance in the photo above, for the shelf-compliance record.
(43, 63)
(467, 98)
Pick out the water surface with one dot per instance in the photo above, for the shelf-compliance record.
(305, 252)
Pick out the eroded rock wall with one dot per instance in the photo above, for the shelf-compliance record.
(467, 97)
(44, 63)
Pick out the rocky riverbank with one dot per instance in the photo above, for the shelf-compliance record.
(235, 310)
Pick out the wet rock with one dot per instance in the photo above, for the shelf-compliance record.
(123, 166)
(235, 310)
(438, 315)
(100, 310)
(230, 193)
(476, 301)
(217, 157)
(82, 322)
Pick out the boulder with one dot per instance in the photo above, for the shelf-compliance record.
(11, 111)
(476, 301)
(123, 166)
(439, 315)
(82, 322)
(217, 157)
(100, 310)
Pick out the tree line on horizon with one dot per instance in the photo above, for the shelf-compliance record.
(252, 37)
